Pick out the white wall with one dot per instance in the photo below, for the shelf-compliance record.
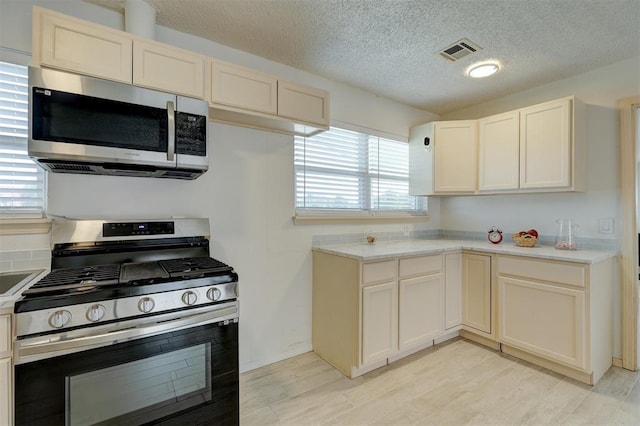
(248, 192)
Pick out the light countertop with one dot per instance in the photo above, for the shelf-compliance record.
(8, 298)
(400, 248)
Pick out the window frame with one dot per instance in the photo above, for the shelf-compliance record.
(27, 220)
(327, 215)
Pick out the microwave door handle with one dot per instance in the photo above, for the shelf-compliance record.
(171, 120)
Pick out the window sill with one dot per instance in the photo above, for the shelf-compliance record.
(327, 220)
(24, 226)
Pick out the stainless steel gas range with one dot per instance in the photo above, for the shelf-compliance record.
(135, 324)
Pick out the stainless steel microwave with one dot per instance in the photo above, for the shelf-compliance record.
(80, 124)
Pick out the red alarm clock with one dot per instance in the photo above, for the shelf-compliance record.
(495, 235)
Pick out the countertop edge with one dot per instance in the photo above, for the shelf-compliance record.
(444, 246)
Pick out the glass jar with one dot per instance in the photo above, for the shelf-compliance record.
(565, 235)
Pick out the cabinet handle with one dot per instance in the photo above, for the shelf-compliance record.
(171, 129)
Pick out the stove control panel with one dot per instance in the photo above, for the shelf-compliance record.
(94, 313)
(127, 229)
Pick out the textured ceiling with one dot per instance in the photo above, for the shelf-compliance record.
(389, 47)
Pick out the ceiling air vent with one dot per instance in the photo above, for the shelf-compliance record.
(459, 50)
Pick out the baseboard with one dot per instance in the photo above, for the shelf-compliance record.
(485, 341)
(280, 357)
(616, 362)
(550, 365)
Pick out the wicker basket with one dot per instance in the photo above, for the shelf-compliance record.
(525, 241)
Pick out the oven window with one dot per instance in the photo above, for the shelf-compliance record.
(140, 391)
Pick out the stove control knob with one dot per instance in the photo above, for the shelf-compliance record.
(189, 297)
(96, 312)
(214, 294)
(60, 318)
(146, 305)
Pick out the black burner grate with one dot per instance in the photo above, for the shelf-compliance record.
(194, 265)
(103, 274)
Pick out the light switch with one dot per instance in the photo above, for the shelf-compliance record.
(605, 226)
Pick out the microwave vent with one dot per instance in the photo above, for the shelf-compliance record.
(70, 168)
(459, 50)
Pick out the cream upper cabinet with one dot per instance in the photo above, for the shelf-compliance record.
(455, 149)
(443, 158)
(557, 314)
(551, 145)
(499, 152)
(63, 42)
(536, 149)
(250, 98)
(303, 103)
(243, 88)
(162, 67)
(453, 290)
(476, 293)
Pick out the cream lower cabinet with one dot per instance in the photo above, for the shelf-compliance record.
(379, 321)
(477, 294)
(557, 314)
(453, 291)
(366, 314)
(6, 368)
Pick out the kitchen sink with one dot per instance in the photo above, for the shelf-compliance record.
(10, 282)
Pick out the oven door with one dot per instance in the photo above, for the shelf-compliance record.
(180, 376)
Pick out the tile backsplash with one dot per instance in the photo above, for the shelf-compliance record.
(24, 252)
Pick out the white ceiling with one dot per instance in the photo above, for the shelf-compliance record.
(389, 47)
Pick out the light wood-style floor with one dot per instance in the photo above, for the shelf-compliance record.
(457, 382)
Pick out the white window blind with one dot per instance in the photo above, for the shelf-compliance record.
(343, 171)
(21, 180)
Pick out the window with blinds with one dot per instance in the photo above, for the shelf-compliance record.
(346, 172)
(21, 180)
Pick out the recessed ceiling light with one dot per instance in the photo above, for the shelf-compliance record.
(483, 69)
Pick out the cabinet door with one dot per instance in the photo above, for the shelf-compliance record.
(162, 67)
(379, 321)
(6, 390)
(476, 292)
(455, 151)
(453, 290)
(545, 145)
(243, 88)
(419, 310)
(303, 103)
(498, 152)
(543, 319)
(5, 335)
(79, 46)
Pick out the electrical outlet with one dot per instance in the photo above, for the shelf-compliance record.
(605, 226)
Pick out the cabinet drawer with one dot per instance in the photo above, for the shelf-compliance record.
(5, 334)
(543, 270)
(421, 265)
(379, 272)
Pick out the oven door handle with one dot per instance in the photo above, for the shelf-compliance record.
(39, 349)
